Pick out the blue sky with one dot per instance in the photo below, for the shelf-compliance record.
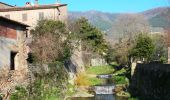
(119, 6)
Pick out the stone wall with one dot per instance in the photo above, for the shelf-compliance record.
(151, 81)
(98, 62)
(11, 78)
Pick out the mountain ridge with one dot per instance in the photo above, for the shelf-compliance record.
(157, 17)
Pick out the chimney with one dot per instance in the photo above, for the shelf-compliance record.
(36, 3)
(58, 2)
(28, 4)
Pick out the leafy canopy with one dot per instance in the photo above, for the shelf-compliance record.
(144, 47)
(91, 38)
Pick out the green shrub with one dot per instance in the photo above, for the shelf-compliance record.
(100, 70)
(20, 94)
(119, 79)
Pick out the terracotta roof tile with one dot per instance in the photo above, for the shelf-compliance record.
(32, 7)
(6, 4)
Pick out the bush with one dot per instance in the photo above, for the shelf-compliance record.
(82, 80)
(51, 85)
(119, 79)
(20, 94)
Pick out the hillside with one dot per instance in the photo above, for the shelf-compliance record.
(158, 17)
(99, 19)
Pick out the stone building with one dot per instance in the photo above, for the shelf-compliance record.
(13, 52)
(30, 14)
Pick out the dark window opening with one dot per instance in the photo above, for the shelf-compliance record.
(24, 17)
(26, 34)
(30, 58)
(41, 16)
(12, 60)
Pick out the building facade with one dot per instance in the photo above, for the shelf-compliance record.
(30, 14)
(13, 49)
(13, 54)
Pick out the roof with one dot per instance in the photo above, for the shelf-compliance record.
(32, 7)
(12, 21)
(6, 4)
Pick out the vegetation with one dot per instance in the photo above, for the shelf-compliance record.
(45, 86)
(20, 94)
(50, 41)
(100, 70)
(95, 81)
(82, 80)
(160, 51)
(86, 80)
(90, 37)
(128, 26)
(144, 47)
(50, 48)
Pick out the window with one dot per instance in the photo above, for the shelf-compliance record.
(26, 34)
(12, 60)
(7, 16)
(41, 16)
(24, 17)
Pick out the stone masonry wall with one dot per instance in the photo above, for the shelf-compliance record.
(151, 81)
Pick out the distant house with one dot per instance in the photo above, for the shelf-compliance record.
(30, 14)
(157, 30)
(13, 50)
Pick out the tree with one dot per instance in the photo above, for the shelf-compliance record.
(144, 47)
(50, 46)
(129, 25)
(167, 36)
(160, 51)
(90, 37)
(50, 39)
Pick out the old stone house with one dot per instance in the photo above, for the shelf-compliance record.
(30, 14)
(13, 51)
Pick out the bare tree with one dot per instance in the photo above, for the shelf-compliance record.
(49, 41)
(129, 25)
(167, 36)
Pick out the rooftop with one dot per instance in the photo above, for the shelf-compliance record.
(2, 19)
(32, 7)
(6, 4)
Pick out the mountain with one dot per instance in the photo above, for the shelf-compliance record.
(157, 17)
(99, 19)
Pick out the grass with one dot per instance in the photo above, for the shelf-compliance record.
(119, 72)
(85, 80)
(95, 81)
(100, 70)
(119, 77)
